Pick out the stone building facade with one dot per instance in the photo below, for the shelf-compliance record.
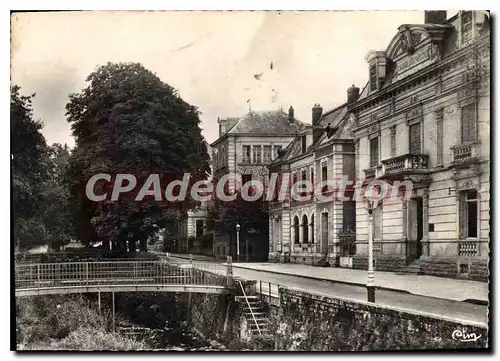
(245, 147)
(424, 117)
(318, 230)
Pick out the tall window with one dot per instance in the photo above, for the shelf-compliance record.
(377, 222)
(374, 159)
(247, 154)
(373, 77)
(324, 172)
(415, 140)
(349, 215)
(348, 165)
(305, 229)
(304, 143)
(267, 154)
(393, 141)
(257, 154)
(276, 149)
(303, 177)
(296, 230)
(468, 123)
(312, 176)
(324, 177)
(223, 156)
(439, 136)
(468, 214)
(312, 228)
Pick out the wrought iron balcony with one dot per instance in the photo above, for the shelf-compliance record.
(405, 164)
(466, 152)
(373, 172)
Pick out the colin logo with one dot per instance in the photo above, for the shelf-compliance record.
(463, 336)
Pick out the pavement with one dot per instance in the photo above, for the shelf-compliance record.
(429, 286)
(440, 297)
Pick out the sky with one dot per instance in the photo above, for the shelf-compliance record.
(218, 61)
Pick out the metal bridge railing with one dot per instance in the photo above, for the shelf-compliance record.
(268, 290)
(42, 275)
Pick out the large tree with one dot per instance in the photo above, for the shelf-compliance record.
(58, 205)
(127, 120)
(31, 169)
(250, 215)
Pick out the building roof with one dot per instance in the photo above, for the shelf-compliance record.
(266, 122)
(229, 122)
(332, 118)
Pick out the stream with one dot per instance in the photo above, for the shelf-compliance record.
(174, 336)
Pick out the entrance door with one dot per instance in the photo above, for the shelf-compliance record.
(324, 233)
(416, 228)
(420, 225)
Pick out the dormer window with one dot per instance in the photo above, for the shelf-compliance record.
(304, 143)
(373, 77)
(377, 63)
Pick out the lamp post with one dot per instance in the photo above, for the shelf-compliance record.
(238, 242)
(371, 204)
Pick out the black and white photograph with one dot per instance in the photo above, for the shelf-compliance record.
(233, 181)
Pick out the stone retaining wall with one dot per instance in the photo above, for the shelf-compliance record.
(316, 323)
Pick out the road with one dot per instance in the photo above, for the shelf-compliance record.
(436, 306)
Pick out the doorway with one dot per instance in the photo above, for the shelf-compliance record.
(416, 223)
(324, 233)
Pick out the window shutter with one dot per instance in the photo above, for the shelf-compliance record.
(348, 165)
(415, 140)
(468, 123)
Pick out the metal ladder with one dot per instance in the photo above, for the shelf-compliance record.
(254, 312)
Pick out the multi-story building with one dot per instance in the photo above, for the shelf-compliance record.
(424, 117)
(245, 147)
(317, 230)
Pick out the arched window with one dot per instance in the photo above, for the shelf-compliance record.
(296, 229)
(305, 229)
(312, 228)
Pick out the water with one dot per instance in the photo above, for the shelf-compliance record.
(174, 336)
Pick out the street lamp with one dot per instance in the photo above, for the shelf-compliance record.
(238, 227)
(370, 203)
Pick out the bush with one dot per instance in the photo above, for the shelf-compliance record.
(86, 338)
(51, 322)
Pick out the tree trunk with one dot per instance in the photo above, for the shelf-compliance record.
(105, 245)
(131, 244)
(143, 244)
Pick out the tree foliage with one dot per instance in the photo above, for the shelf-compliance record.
(250, 215)
(128, 121)
(58, 205)
(30, 166)
(40, 199)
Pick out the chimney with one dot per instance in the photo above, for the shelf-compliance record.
(317, 111)
(435, 16)
(352, 94)
(291, 118)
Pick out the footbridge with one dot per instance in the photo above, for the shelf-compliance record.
(121, 276)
